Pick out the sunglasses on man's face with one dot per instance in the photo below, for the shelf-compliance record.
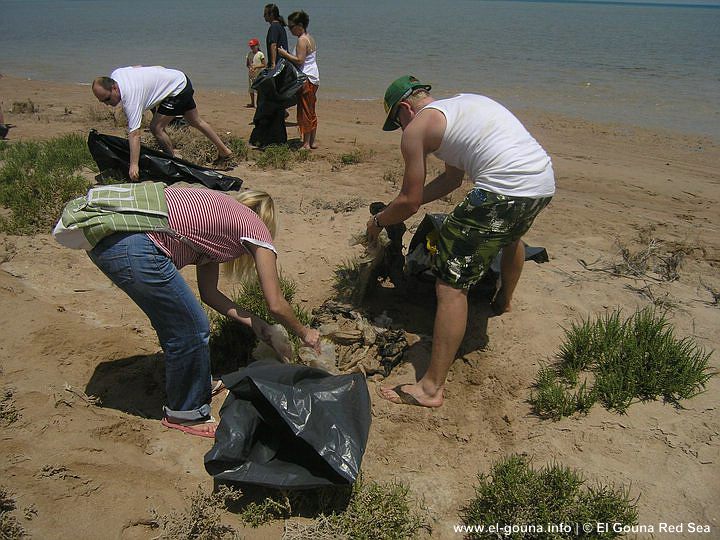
(396, 117)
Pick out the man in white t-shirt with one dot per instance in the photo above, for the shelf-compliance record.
(140, 88)
(513, 181)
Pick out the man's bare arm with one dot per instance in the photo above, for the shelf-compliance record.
(134, 140)
(443, 184)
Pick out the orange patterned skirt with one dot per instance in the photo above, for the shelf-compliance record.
(306, 117)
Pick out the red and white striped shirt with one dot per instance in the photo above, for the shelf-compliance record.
(215, 223)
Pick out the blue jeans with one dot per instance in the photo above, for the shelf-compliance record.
(150, 278)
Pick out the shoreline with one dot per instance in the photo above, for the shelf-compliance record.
(10, 85)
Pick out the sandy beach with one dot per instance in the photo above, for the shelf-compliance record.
(66, 333)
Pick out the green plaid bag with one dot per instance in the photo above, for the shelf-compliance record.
(109, 209)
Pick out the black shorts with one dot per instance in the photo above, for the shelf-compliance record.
(180, 104)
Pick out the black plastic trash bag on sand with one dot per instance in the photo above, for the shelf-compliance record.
(277, 89)
(288, 426)
(112, 155)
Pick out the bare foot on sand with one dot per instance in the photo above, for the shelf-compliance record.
(410, 394)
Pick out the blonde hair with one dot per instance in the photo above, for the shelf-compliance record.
(262, 204)
(417, 96)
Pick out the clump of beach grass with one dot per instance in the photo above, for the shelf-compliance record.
(9, 413)
(239, 147)
(270, 509)
(714, 293)
(392, 176)
(518, 499)
(10, 528)
(103, 115)
(342, 206)
(24, 107)
(346, 278)
(647, 257)
(202, 519)
(189, 143)
(354, 157)
(231, 342)
(38, 178)
(635, 359)
(377, 511)
(281, 156)
(365, 510)
(194, 147)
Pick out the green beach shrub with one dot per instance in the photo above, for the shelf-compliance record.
(281, 156)
(375, 511)
(392, 176)
(24, 107)
(10, 528)
(636, 359)
(38, 178)
(202, 519)
(239, 147)
(9, 413)
(346, 277)
(522, 501)
(355, 156)
(275, 156)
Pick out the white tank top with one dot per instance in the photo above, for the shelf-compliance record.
(310, 68)
(498, 154)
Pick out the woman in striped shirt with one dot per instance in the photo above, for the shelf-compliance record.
(211, 229)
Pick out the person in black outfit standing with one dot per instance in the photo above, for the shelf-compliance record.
(270, 114)
(276, 35)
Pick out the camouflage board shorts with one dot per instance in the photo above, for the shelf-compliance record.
(476, 230)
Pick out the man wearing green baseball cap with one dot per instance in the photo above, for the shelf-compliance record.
(513, 181)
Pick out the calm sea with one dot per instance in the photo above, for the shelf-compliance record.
(653, 64)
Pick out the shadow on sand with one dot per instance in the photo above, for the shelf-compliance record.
(134, 385)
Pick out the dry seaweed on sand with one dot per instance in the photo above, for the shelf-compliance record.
(359, 344)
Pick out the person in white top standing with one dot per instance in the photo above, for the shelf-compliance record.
(140, 88)
(305, 58)
(513, 181)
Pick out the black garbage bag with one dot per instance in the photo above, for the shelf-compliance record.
(112, 155)
(281, 84)
(277, 89)
(269, 123)
(288, 426)
(418, 257)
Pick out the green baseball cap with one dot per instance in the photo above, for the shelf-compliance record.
(399, 89)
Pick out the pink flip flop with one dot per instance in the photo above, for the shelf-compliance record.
(189, 427)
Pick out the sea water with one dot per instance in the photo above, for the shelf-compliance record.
(652, 64)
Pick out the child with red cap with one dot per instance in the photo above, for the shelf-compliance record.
(255, 62)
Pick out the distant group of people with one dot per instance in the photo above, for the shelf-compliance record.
(169, 92)
(513, 181)
(304, 57)
(270, 115)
